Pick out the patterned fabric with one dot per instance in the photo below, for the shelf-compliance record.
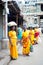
(26, 42)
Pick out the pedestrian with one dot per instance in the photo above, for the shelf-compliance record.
(31, 34)
(19, 35)
(12, 41)
(25, 42)
(36, 34)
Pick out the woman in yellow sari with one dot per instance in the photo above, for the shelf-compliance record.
(25, 42)
(31, 34)
(12, 41)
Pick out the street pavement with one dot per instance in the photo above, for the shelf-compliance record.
(4, 57)
(35, 58)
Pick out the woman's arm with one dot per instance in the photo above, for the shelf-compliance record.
(9, 39)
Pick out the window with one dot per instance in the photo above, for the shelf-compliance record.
(26, 2)
(35, 22)
(41, 7)
(41, 17)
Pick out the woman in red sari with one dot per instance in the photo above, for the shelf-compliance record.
(36, 34)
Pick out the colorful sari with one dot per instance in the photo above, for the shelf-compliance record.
(26, 43)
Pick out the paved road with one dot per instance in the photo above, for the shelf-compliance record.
(35, 58)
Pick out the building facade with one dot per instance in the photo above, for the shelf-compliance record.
(32, 11)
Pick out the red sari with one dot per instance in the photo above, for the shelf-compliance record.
(36, 34)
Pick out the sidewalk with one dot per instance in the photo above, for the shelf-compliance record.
(4, 57)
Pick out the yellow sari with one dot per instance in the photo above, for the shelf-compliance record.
(13, 47)
(31, 34)
(26, 43)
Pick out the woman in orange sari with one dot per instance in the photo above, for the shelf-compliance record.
(25, 42)
(12, 41)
